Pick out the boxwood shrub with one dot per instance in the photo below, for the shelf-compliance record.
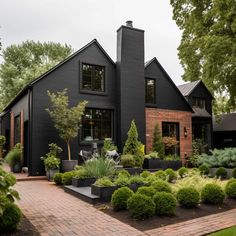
(165, 203)
(147, 191)
(57, 178)
(204, 169)
(161, 186)
(120, 197)
(230, 188)
(67, 177)
(221, 172)
(213, 194)
(145, 174)
(160, 174)
(188, 197)
(182, 171)
(10, 218)
(141, 206)
(122, 181)
(104, 182)
(171, 175)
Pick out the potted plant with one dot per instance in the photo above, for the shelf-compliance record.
(151, 161)
(67, 121)
(83, 179)
(13, 158)
(51, 161)
(103, 188)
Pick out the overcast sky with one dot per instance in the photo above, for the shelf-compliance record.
(77, 22)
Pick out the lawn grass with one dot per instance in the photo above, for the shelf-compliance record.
(225, 232)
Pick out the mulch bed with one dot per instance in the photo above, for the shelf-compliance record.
(157, 221)
(25, 228)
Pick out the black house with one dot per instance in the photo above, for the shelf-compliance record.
(200, 99)
(116, 93)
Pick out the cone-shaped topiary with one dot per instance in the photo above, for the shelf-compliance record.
(132, 145)
(158, 145)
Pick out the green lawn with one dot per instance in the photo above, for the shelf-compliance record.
(226, 232)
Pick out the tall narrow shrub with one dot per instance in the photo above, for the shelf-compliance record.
(66, 120)
(132, 143)
(2, 142)
(158, 145)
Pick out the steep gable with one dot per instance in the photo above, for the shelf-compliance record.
(168, 95)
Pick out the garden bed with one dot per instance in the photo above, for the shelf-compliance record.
(157, 221)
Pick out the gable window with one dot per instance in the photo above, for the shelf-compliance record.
(199, 102)
(150, 91)
(96, 124)
(93, 78)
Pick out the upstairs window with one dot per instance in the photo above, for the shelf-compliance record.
(199, 102)
(150, 91)
(93, 78)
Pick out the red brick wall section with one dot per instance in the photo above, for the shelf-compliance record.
(184, 119)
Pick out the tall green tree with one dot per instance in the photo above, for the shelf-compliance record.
(67, 120)
(24, 62)
(208, 46)
(158, 145)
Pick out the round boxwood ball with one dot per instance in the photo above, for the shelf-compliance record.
(204, 169)
(57, 178)
(161, 186)
(188, 197)
(171, 175)
(165, 203)
(147, 191)
(160, 174)
(120, 197)
(230, 188)
(221, 172)
(141, 206)
(213, 194)
(182, 171)
(10, 218)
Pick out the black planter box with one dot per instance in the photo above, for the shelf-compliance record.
(104, 193)
(133, 170)
(83, 182)
(155, 163)
(134, 187)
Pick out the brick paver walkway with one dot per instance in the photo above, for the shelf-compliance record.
(54, 212)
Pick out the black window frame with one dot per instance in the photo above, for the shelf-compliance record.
(17, 129)
(196, 102)
(91, 91)
(154, 96)
(83, 141)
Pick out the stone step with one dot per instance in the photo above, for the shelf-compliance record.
(83, 193)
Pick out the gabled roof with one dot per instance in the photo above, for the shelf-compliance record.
(23, 91)
(188, 88)
(226, 122)
(154, 60)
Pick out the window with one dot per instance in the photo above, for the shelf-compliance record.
(17, 129)
(93, 78)
(170, 133)
(199, 102)
(150, 91)
(96, 124)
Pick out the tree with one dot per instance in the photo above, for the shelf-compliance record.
(25, 62)
(66, 120)
(158, 145)
(208, 46)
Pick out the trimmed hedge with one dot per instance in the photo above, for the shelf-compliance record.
(165, 203)
(120, 197)
(141, 206)
(188, 197)
(213, 194)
